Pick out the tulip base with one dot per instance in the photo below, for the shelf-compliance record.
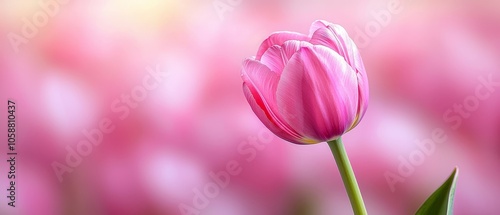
(348, 177)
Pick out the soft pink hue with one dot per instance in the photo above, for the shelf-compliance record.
(307, 89)
(65, 79)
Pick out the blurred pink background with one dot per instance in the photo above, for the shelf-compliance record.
(422, 58)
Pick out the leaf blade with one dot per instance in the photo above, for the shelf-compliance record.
(441, 201)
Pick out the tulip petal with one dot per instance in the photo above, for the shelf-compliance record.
(336, 37)
(319, 89)
(317, 25)
(363, 91)
(264, 117)
(260, 86)
(292, 46)
(276, 57)
(323, 36)
(278, 38)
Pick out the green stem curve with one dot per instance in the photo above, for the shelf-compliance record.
(348, 177)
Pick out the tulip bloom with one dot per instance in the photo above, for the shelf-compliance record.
(307, 89)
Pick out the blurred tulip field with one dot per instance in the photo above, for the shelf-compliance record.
(136, 107)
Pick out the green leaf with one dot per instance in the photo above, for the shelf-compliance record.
(441, 201)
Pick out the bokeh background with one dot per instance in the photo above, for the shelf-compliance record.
(421, 60)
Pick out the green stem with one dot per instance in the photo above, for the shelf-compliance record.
(350, 183)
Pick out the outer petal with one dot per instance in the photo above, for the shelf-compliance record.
(260, 86)
(278, 38)
(319, 88)
(363, 91)
(336, 37)
(265, 117)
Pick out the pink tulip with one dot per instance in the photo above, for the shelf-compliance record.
(307, 89)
